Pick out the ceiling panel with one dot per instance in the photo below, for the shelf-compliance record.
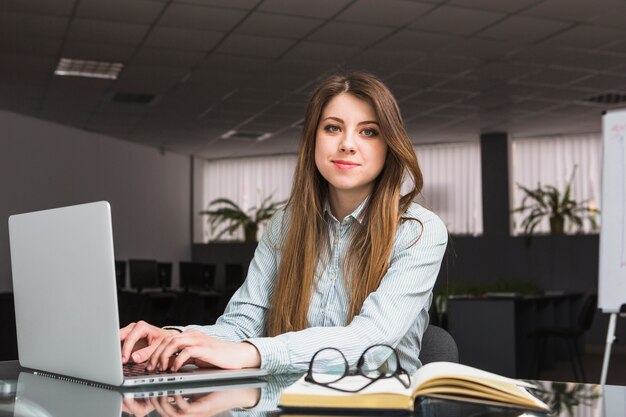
(89, 30)
(30, 45)
(16, 103)
(97, 51)
(456, 20)
(417, 81)
(130, 11)
(416, 41)
(498, 6)
(56, 7)
(16, 25)
(238, 64)
(319, 8)
(575, 11)
(254, 46)
(553, 76)
(185, 39)
(587, 37)
(437, 96)
(350, 34)
(382, 61)
(148, 79)
(612, 17)
(74, 85)
(170, 57)
(320, 52)
(26, 67)
(594, 61)
(273, 25)
(603, 83)
(235, 4)
(446, 64)
(395, 13)
(202, 18)
(516, 29)
(482, 49)
(458, 67)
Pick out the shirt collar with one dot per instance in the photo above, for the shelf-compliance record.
(357, 214)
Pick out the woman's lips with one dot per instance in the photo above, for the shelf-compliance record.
(345, 165)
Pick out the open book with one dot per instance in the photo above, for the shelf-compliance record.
(438, 379)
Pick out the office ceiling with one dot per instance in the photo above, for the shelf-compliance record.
(457, 67)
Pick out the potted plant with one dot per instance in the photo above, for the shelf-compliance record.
(223, 211)
(558, 207)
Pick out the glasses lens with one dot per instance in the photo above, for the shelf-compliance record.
(328, 365)
(379, 361)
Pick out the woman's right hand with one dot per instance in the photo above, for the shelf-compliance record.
(140, 339)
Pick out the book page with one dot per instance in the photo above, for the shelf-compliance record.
(436, 370)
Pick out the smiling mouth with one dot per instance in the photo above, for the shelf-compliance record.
(345, 165)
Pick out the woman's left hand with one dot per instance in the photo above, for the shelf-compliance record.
(206, 405)
(193, 347)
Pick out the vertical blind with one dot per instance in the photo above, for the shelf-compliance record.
(452, 184)
(247, 182)
(551, 161)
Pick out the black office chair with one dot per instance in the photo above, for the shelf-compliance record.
(438, 345)
(571, 336)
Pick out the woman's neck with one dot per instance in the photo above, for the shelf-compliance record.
(343, 203)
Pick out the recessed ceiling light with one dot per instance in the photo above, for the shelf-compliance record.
(87, 68)
(245, 136)
(264, 136)
(608, 98)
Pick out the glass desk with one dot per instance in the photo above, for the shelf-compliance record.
(26, 395)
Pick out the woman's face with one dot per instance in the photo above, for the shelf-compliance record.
(349, 151)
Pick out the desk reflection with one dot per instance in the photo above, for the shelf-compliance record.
(50, 397)
(47, 397)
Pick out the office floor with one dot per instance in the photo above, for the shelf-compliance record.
(592, 361)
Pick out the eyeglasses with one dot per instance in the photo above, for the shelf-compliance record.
(329, 365)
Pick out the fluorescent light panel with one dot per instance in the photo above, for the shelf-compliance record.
(87, 68)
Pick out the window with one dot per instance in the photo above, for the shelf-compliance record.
(451, 172)
(452, 185)
(551, 161)
(247, 182)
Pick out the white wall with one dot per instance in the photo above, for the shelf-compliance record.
(45, 165)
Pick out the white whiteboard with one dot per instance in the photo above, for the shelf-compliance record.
(612, 272)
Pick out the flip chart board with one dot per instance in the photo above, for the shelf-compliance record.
(612, 272)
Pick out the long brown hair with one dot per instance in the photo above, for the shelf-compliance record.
(368, 255)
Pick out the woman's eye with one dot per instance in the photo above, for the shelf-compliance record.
(332, 128)
(369, 132)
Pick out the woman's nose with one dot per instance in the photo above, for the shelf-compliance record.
(347, 143)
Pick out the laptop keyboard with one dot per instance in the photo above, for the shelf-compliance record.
(139, 369)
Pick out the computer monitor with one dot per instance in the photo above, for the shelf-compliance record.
(120, 274)
(165, 274)
(196, 275)
(143, 274)
(234, 276)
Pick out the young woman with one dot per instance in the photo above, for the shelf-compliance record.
(349, 263)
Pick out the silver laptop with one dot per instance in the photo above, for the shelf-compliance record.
(66, 299)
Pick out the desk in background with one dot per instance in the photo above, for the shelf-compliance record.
(492, 333)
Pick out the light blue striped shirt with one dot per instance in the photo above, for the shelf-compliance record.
(395, 314)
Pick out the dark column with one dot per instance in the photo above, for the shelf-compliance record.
(494, 154)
